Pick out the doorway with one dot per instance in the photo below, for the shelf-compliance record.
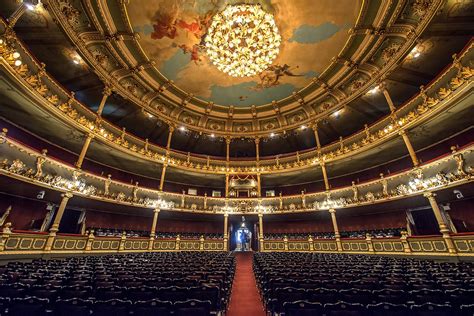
(243, 238)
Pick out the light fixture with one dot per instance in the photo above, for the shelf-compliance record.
(415, 52)
(182, 128)
(17, 62)
(302, 127)
(243, 40)
(212, 135)
(337, 113)
(16, 55)
(272, 135)
(374, 90)
(30, 7)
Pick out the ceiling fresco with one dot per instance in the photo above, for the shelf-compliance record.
(172, 32)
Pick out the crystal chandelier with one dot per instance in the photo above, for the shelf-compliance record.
(243, 40)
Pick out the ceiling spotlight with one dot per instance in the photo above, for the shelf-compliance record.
(212, 135)
(302, 127)
(17, 62)
(182, 128)
(149, 115)
(30, 7)
(272, 134)
(16, 55)
(77, 59)
(415, 53)
(374, 90)
(337, 113)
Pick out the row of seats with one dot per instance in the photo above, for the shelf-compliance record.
(114, 232)
(375, 233)
(30, 306)
(174, 277)
(330, 282)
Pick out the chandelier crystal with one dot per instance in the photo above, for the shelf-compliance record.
(243, 40)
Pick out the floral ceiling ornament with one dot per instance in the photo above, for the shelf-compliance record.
(243, 40)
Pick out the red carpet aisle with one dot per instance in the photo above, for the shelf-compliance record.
(245, 300)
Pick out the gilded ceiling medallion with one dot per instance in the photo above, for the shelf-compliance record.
(243, 40)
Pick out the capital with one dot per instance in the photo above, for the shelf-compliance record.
(332, 211)
(429, 195)
(67, 195)
(107, 91)
(156, 210)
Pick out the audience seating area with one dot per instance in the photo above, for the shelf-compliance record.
(375, 233)
(114, 232)
(337, 284)
(178, 283)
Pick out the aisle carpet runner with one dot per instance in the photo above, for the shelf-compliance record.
(245, 300)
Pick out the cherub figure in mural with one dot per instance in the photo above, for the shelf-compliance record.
(271, 76)
(194, 51)
(165, 22)
(199, 26)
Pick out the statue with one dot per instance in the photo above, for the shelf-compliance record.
(355, 192)
(135, 192)
(7, 228)
(107, 185)
(460, 164)
(40, 160)
(384, 185)
(5, 215)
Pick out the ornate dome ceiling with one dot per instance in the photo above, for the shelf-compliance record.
(172, 35)
(151, 54)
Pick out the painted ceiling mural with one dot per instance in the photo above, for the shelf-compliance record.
(172, 33)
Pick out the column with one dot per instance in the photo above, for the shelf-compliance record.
(316, 136)
(411, 151)
(260, 230)
(57, 219)
(227, 150)
(85, 147)
(226, 227)
(105, 94)
(391, 106)
(325, 175)
(163, 173)
(16, 15)
(227, 184)
(257, 150)
(443, 227)
(156, 212)
(336, 229)
(259, 185)
(168, 143)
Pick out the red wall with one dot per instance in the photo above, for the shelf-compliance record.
(208, 227)
(98, 219)
(23, 211)
(462, 214)
(349, 222)
(345, 220)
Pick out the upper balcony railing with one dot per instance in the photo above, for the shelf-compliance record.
(23, 163)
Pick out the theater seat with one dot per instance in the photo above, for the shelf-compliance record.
(303, 308)
(27, 306)
(388, 309)
(73, 307)
(113, 307)
(152, 308)
(192, 307)
(431, 309)
(344, 309)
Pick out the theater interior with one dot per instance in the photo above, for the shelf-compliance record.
(237, 157)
